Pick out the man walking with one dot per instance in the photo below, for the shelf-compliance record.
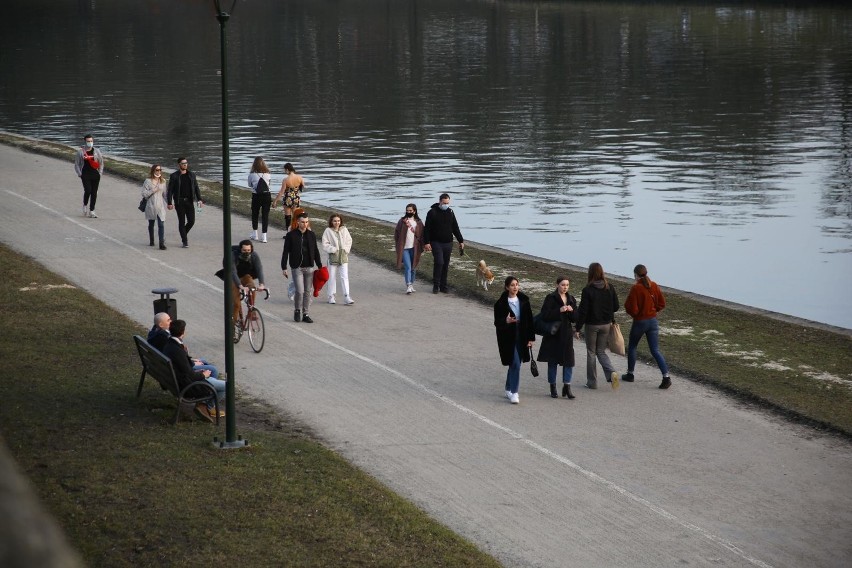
(89, 165)
(438, 232)
(182, 195)
(302, 252)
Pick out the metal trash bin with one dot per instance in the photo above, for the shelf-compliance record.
(165, 303)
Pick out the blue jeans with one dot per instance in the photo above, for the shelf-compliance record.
(408, 265)
(567, 373)
(219, 385)
(513, 375)
(205, 366)
(651, 330)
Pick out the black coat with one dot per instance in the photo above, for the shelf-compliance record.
(597, 306)
(292, 252)
(558, 348)
(182, 365)
(158, 337)
(508, 335)
(174, 195)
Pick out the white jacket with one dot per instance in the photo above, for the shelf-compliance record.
(334, 241)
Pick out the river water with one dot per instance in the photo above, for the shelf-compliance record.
(713, 144)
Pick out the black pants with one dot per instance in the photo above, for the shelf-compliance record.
(186, 218)
(90, 189)
(441, 260)
(260, 203)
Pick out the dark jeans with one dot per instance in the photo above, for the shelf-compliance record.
(186, 218)
(651, 330)
(441, 258)
(90, 189)
(260, 202)
(161, 229)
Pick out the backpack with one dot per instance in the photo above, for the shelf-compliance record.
(262, 186)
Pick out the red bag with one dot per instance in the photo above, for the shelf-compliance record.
(320, 278)
(92, 161)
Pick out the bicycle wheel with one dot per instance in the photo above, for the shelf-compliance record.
(256, 332)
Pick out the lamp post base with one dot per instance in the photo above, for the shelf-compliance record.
(224, 445)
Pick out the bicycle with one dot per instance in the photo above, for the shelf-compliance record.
(252, 322)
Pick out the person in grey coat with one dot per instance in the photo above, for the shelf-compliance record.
(89, 166)
(558, 349)
(154, 190)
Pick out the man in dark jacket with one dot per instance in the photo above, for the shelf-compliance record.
(183, 191)
(176, 351)
(301, 254)
(438, 232)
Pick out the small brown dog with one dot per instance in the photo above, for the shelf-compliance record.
(484, 276)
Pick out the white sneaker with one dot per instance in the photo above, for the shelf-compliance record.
(515, 399)
(253, 236)
(348, 301)
(85, 210)
(92, 215)
(331, 300)
(509, 395)
(263, 238)
(409, 289)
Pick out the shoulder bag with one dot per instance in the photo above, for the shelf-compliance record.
(542, 327)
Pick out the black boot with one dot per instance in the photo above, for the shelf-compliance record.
(287, 220)
(553, 391)
(566, 391)
(162, 245)
(150, 236)
(667, 382)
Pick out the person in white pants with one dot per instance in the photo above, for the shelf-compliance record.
(337, 242)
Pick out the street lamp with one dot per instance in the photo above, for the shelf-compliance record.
(231, 438)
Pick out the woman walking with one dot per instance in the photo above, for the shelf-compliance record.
(643, 303)
(337, 242)
(408, 237)
(598, 304)
(261, 198)
(558, 349)
(515, 335)
(291, 191)
(154, 190)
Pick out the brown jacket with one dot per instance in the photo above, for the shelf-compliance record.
(399, 239)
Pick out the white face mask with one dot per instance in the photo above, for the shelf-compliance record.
(89, 144)
(444, 206)
(158, 174)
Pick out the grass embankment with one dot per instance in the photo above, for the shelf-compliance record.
(130, 489)
(800, 370)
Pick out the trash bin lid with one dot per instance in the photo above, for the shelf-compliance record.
(164, 291)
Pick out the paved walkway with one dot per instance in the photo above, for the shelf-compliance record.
(410, 389)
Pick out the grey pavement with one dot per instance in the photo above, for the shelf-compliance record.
(410, 389)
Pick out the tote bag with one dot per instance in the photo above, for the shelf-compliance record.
(614, 340)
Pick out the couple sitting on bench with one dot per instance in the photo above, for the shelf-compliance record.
(167, 337)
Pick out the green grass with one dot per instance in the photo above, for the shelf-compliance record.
(801, 371)
(130, 489)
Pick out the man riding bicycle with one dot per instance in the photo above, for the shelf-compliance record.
(245, 268)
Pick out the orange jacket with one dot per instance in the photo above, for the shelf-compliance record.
(644, 303)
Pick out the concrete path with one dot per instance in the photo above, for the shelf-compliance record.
(410, 389)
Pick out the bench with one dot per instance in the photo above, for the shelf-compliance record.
(158, 366)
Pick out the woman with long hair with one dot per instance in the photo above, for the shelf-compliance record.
(261, 198)
(558, 349)
(337, 242)
(408, 237)
(154, 190)
(643, 303)
(291, 191)
(598, 304)
(515, 334)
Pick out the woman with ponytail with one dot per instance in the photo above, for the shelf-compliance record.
(643, 303)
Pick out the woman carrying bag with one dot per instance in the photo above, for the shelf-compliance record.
(261, 198)
(515, 335)
(643, 303)
(558, 349)
(154, 192)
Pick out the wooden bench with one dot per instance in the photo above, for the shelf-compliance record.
(158, 366)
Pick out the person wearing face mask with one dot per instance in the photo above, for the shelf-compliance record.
(408, 237)
(183, 191)
(154, 190)
(245, 268)
(438, 232)
(89, 165)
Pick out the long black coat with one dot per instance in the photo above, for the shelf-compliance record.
(182, 365)
(558, 348)
(508, 335)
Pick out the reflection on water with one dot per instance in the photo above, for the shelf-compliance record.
(712, 144)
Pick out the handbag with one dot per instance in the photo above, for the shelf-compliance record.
(542, 327)
(614, 339)
(142, 204)
(533, 364)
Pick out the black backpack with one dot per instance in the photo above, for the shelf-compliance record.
(262, 186)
